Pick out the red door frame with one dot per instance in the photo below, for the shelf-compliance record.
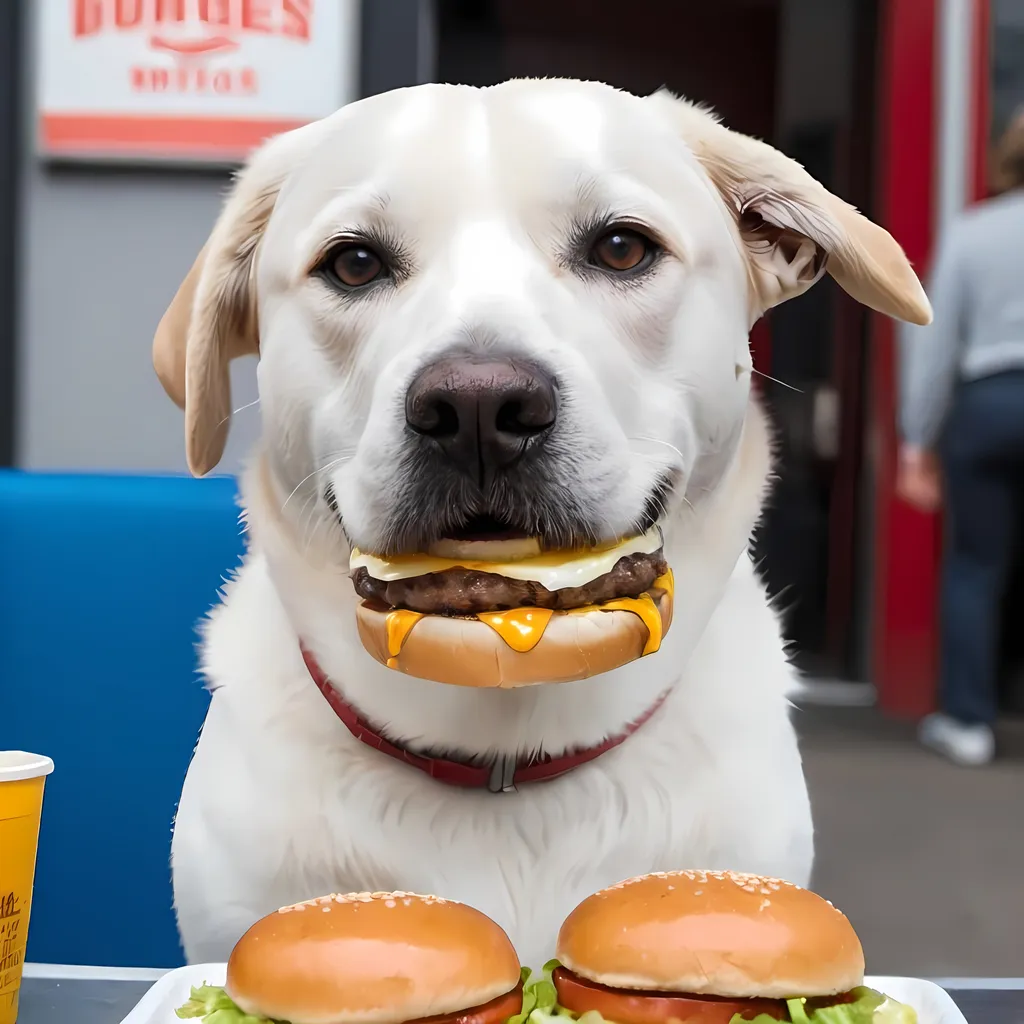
(907, 544)
(981, 86)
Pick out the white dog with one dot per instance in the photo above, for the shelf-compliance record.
(623, 245)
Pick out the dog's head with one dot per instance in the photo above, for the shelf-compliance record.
(523, 308)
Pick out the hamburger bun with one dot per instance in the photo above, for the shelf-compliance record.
(379, 958)
(711, 933)
(465, 651)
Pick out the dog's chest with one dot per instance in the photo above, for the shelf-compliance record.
(525, 859)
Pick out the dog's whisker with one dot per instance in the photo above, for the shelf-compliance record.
(316, 524)
(313, 523)
(248, 405)
(295, 490)
(235, 412)
(308, 520)
(658, 440)
(334, 463)
(781, 383)
(316, 472)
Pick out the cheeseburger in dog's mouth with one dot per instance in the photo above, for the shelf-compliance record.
(504, 613)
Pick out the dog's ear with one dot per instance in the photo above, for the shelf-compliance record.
(212, 318)
(793, 227)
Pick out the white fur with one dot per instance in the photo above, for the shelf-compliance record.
(281, 803)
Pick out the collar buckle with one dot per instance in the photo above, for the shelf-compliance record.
(503, 774)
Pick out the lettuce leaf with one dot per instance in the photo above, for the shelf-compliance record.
(215, 1006)
(540, 1001)
(870, 1007)
(540, 1006)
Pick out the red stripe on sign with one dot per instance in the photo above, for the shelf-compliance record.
(158, 136)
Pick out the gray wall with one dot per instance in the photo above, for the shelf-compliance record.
(102, 252)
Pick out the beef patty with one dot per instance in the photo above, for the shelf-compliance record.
(467, 591)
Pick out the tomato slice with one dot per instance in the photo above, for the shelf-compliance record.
(497, 1011)
(624, 1006)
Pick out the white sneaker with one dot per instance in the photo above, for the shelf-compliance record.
(968, 745)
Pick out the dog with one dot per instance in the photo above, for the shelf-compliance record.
(433, 223)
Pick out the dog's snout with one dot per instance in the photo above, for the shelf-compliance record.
(483, 413)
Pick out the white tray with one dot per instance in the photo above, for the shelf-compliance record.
(933, 1004)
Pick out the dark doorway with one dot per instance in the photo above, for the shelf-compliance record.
(654, 43)
(800, 74)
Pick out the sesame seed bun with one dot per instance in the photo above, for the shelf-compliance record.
(463, 651)
(713, 933)
(370, 958)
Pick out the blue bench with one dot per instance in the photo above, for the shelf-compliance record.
(102, 582)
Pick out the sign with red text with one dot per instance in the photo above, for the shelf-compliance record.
(187, 80)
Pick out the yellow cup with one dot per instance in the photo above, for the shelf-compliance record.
(21, 803)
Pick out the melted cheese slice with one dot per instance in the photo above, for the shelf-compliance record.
(522, 628)
(398, 625)
(643, 607)
(552, 569)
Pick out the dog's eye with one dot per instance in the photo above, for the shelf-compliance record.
(355, 265)
(622, 250)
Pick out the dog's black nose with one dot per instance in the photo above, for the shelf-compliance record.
(484, 412)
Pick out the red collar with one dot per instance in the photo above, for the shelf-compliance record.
(502, 777)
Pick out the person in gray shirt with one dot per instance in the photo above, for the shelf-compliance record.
(962, 433)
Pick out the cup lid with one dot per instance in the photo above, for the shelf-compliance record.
(19, 764)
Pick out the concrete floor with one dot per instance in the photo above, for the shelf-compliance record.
(926, 859)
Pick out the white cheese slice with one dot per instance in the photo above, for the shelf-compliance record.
(552, 569)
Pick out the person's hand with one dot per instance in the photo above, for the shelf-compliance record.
(918, 479)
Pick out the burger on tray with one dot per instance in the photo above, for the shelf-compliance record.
(504, 613)
(707, 947)
(367, 958)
